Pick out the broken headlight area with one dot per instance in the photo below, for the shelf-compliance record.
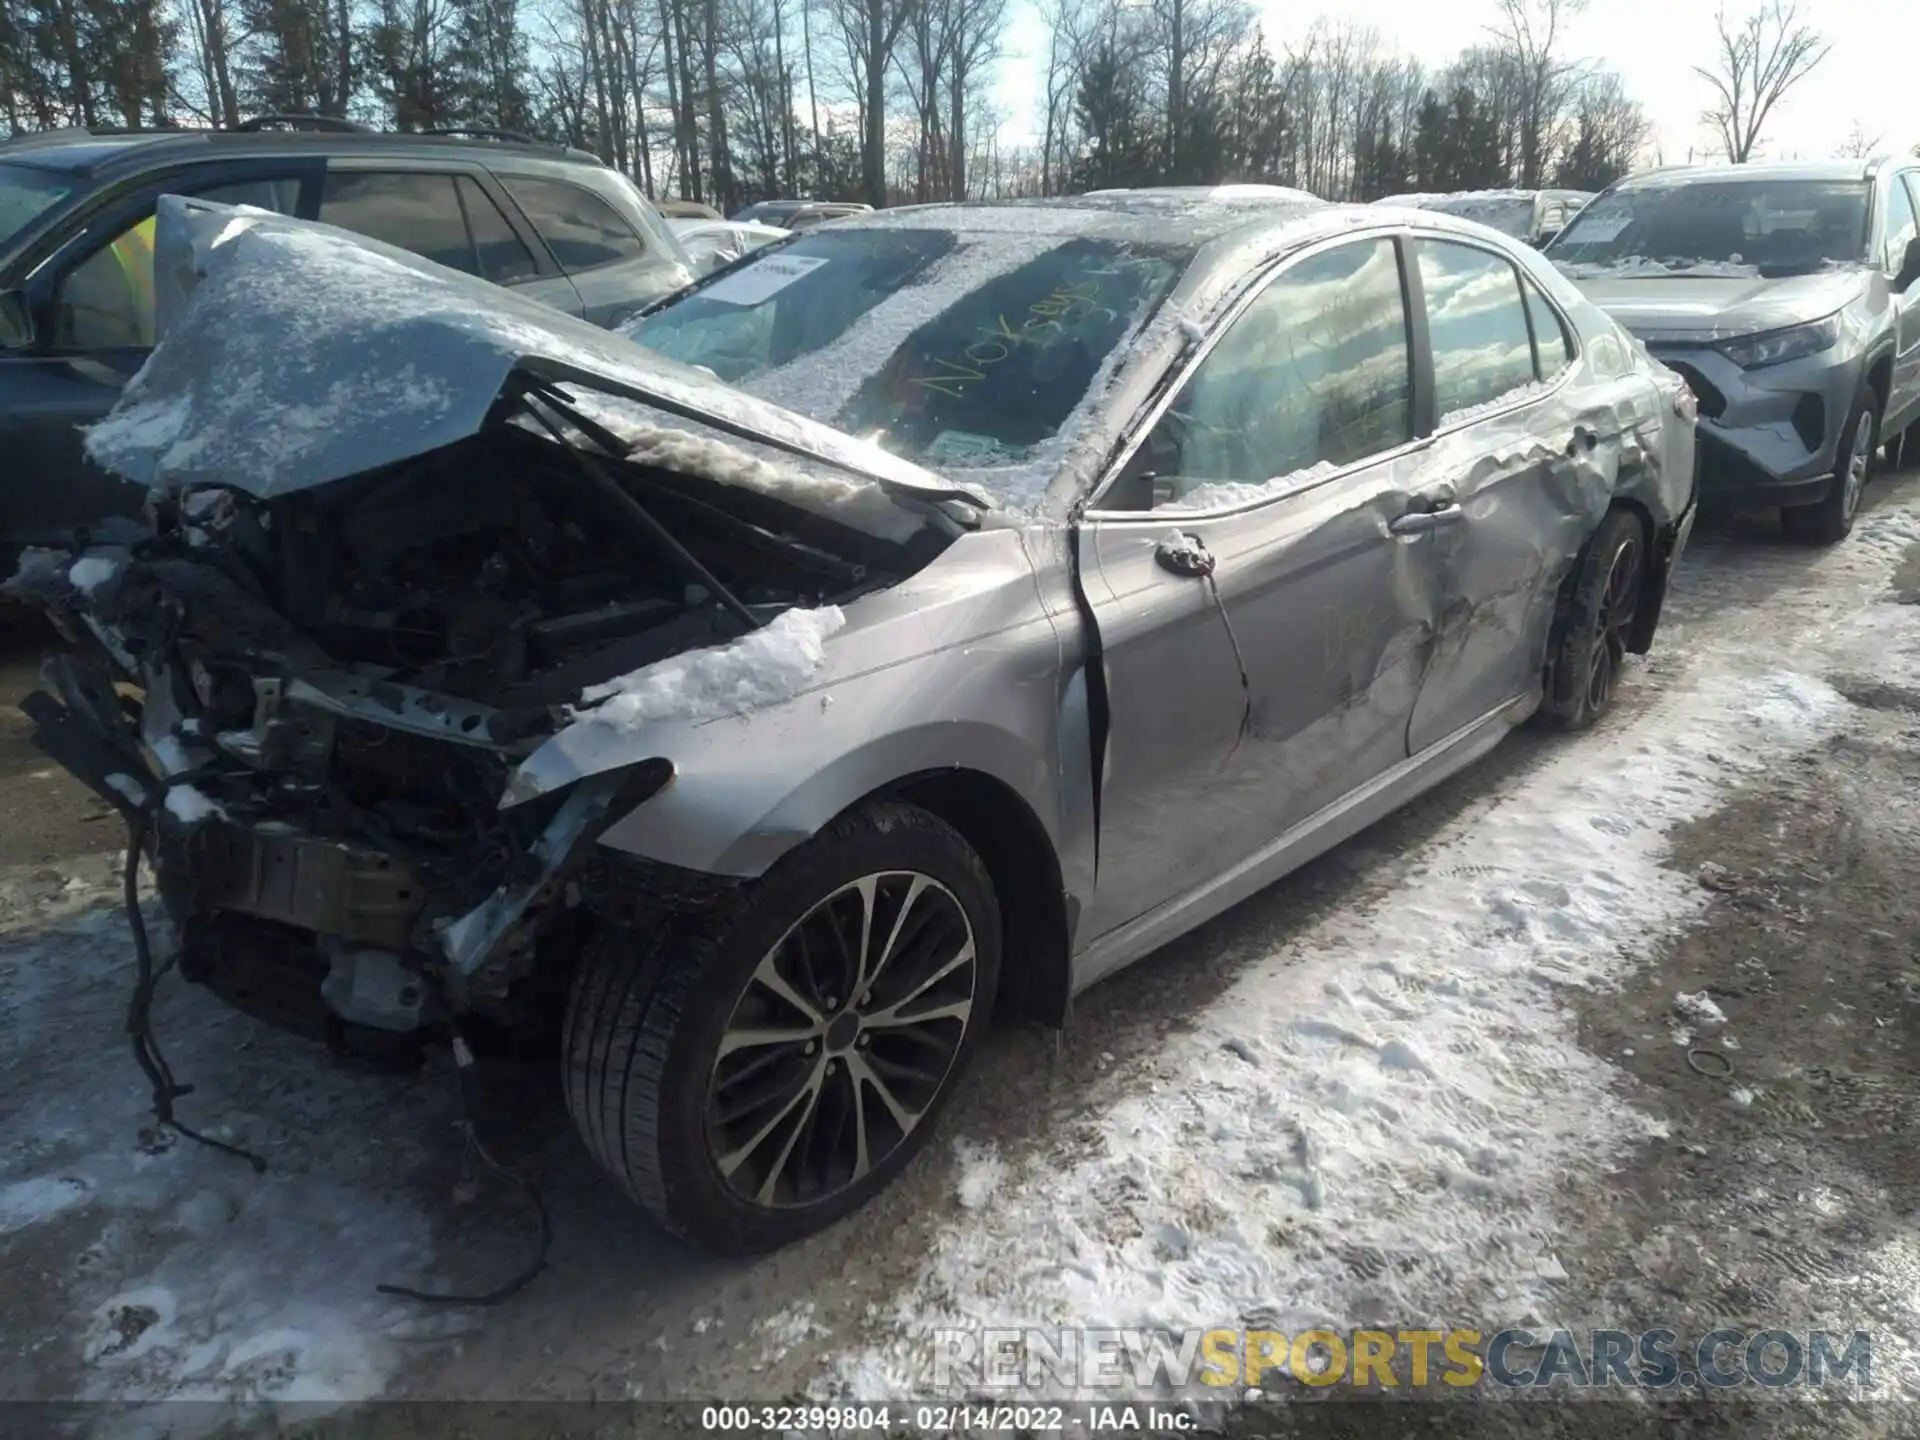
(313, 705)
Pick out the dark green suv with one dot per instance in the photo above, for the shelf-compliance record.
(76, 259)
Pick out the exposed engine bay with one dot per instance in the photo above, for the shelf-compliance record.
(310, 706)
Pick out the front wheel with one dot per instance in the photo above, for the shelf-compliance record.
(1829, 520)
(1595, 624)
(801, 1036)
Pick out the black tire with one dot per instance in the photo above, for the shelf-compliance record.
(646, 1021)
(1829, 520)
(1589, 646)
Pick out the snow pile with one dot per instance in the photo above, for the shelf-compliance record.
(1377, 1119)
(1698, 1008)
(91, 572)
(774, 663)
(190, 805)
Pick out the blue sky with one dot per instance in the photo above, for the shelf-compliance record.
(1654, 44)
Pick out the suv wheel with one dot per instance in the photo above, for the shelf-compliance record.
(1829, 520)
(801, 1038)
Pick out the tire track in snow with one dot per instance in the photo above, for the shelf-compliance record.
(1371, 1123)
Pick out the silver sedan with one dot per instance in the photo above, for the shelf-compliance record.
(915, 622)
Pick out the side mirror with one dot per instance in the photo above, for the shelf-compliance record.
(16, 321)
(1909, 267)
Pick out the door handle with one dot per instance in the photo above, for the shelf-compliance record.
(1185, 556)
(1418, 522)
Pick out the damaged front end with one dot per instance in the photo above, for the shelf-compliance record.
(312, 707)
(310, 701)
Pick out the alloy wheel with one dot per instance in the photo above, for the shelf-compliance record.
(1619, 604)
(842, 1039)
(1859, 463)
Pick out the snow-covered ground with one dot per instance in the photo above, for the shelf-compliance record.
(1371, 1120)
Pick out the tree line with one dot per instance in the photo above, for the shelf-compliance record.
(887, 101)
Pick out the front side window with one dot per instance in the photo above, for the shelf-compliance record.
(106, 301)
(1769, 228)
(410, 210)
(583, 231)
(1477, 321)
(1901, 227)
(1315, 373)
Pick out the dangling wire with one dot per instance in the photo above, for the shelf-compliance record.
(146, 1047)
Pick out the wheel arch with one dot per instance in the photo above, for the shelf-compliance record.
(1035, 911)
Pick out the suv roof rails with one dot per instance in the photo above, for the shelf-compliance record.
(68, 133)
(481, 132)
(334, 123)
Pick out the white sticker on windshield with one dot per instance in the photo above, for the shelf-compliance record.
(1600, 227)
(767, 276)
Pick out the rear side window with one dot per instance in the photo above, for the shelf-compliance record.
(503, 258)
(1482, 346)
(583, 231)
(411, 210)
(1551, 348)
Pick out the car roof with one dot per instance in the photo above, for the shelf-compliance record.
(1860, 170)
(91, 153)
(1170, 215)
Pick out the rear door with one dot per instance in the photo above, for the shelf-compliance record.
(1264, 628)
(616, 268)
(92, 304)
(1519, 459)
(449, 214)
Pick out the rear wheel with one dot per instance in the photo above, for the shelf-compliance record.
(800, 1038)
(1829, 520)
(1596, 621)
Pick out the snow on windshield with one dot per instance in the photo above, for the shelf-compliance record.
(1733, 228)
(973, 350)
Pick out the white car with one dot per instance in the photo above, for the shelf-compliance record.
(713, 243)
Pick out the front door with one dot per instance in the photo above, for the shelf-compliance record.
(1900, 228)
(1265, 628)
(92, 305)
(1517, 467)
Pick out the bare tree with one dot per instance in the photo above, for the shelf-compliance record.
(1858, 144)
(1759, 61)
(870, 29)
(1528, 36)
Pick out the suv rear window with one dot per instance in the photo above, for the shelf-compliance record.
(583, 231)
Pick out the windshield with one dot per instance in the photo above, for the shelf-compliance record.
(1732, 227)
(26, 194)
(955, 350)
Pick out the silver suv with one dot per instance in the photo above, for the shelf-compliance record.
(1788, 296)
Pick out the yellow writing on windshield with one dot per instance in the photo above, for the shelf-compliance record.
(1045, 324)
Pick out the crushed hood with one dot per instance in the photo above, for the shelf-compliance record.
(1707, 308)
(293, 354)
